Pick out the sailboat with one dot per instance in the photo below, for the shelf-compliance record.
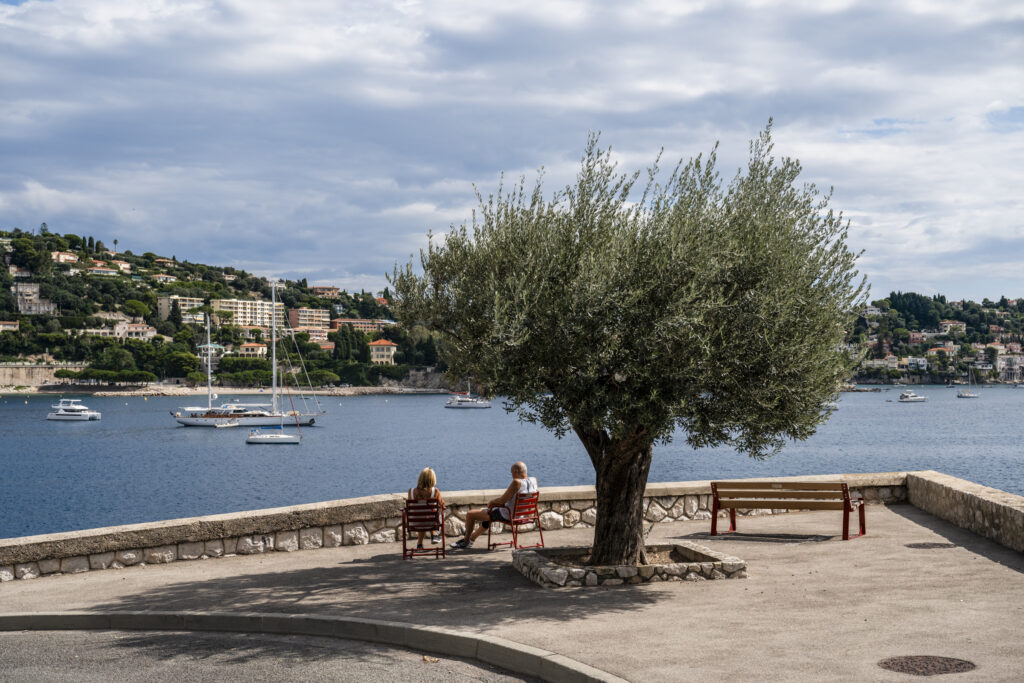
(967, 393)
(467, 400)
(246, 414)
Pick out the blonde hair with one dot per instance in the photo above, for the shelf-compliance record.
(427, 480)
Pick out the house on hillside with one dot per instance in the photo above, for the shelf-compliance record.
(952, 326)
(63, 257)
(382, 352)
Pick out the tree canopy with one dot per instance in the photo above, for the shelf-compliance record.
(624, 313)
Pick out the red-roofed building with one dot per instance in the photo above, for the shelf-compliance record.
(382, 352)
(252, 350)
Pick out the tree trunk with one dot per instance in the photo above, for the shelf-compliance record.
(622, 466)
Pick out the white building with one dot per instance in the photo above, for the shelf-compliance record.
(185, 304)
(123, 330)
(26, 295)
(259, 313)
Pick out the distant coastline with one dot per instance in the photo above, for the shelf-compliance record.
(156, 390)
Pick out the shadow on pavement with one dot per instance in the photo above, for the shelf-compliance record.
(705, 536)
(230, 648)
(473, 589)
(968, 540)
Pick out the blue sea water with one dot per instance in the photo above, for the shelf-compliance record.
(138, 465)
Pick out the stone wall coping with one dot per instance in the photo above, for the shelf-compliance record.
(328, 513)
(979, 491)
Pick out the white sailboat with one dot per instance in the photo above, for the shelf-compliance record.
(246, 414)
(467, 400)
(967, 393)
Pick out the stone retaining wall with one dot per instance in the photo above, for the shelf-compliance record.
(356, 521)
(986, 511)
(701, 564)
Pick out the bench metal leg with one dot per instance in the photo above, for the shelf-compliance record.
(846, 522)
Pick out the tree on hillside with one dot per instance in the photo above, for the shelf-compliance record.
(622, 315)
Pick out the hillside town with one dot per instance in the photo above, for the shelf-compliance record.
(100, 316)
(126, 318)
(928, 339)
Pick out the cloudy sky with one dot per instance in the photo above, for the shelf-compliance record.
(323, 138)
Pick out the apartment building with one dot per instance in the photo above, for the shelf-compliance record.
(316, 334)
(309, 317)
(185, 304)
(26, 295)
(259, 313)
(361, 324)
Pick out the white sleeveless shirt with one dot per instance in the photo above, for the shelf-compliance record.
(527, 486)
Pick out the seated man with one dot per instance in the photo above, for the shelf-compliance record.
(499, 509)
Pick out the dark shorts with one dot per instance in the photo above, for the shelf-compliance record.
(499, 514)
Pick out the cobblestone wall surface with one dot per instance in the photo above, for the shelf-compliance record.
(986, 511)
(375, 519)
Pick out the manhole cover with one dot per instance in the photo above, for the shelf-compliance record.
(926, 665)
(928, 546)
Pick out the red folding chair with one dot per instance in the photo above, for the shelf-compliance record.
(422, 515)
(524, 513)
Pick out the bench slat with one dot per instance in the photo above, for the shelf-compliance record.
(781, 485)
(725, 494)
(750, 504)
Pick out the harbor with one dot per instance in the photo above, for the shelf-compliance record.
(138, 465)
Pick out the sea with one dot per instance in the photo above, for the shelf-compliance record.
(137, 464)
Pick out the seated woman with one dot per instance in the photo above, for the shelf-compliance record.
(426, 488)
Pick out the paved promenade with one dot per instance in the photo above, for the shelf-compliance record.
(813, 608)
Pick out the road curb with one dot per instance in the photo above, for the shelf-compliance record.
(500, 652)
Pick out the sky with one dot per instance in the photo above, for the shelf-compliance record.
(324, 139)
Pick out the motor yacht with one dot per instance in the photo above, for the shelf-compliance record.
(71, 409)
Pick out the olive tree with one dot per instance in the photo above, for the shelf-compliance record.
(629, 314)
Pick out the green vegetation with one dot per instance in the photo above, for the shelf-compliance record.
(622, 315)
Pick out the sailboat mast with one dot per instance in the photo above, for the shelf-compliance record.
(273, 346)
(209, 368)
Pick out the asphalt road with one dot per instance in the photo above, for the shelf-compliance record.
(173, 657)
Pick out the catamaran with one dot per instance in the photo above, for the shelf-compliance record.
(71, 409)
(466, 400)
(247, 414)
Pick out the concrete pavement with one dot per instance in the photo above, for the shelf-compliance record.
(813, 608)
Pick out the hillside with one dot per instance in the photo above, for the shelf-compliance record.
(930, 336)
(70, 298)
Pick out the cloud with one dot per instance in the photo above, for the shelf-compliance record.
(328, 138)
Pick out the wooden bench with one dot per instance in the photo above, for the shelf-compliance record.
(784, 495)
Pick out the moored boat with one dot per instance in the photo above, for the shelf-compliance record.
(245, 414)
(909, 396)
(466, 399)
(272, 435)
(72, 410)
